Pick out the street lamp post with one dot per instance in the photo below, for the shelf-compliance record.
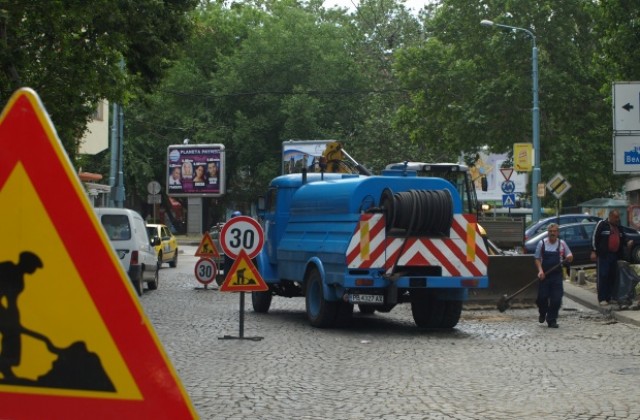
(535, 200)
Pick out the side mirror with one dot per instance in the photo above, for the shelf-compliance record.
(261, 204)
(156, 241)
(484, 183)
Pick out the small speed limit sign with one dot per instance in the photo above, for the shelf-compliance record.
(242, 233)
(206, 270)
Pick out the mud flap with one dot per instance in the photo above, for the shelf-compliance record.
(391, 294)
(507, 273)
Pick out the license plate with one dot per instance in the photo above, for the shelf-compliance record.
(366, 299)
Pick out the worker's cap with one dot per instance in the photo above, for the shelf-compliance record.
(236, 213)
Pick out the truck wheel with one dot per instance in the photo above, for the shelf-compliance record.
(426, 309)
(366, 309)
(320, 312)
(452, 311)
(174, 263)
(261, 301)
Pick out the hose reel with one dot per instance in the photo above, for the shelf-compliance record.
(422, 212)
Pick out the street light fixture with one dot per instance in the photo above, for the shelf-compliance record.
(535, 200)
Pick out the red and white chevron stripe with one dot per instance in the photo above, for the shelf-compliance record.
(463, 253)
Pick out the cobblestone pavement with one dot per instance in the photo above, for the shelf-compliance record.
(491, 366)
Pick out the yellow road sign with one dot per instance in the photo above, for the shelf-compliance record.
(75, 340)
(243, 277)
(207, 248)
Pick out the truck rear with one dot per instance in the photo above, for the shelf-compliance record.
(342, 240)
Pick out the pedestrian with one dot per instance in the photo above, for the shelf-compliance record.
(551, 253)
(607, 247)
(11, 285)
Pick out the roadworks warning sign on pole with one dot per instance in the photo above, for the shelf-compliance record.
(75, 340)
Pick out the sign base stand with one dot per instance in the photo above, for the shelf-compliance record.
(241, 332)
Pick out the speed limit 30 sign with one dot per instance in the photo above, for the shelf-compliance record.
(206, 270)
(242, 233)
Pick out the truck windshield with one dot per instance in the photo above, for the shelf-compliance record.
(463, 183)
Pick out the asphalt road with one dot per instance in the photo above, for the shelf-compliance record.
(491, 366)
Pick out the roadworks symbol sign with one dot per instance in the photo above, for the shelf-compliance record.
(243, 276)
(75, 340)
(207, 248)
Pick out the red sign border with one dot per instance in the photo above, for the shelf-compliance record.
(228, 226)
(28, 137)
(261, 285)
(215, 270)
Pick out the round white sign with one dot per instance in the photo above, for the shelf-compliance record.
(242, 233)
(154, 187)
(206, 270)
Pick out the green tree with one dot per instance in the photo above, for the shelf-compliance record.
(472, 87)
(72, 53)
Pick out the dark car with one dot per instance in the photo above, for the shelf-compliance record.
(578, 237)
(563, 219)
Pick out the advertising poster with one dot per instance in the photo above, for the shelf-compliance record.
(297, 154)
(488, 166)
(196, 170)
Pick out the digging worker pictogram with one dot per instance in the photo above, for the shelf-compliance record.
(11, 285)
(240, 279)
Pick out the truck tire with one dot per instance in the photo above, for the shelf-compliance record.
(426, 309)
(320, 312)
(261, 301)
(430, 312)
(452, 312)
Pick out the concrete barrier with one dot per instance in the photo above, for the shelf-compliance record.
(507, 274)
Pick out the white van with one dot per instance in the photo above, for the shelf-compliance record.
(128, 235)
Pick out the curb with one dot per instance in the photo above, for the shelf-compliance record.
(588, 298)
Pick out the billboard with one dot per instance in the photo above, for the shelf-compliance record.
(488, 166)
(195, 170)
(297, 154)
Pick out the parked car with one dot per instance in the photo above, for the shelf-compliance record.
(578, 237)
(129, 238)
(215, 236)
(563, 219)
(167, 250)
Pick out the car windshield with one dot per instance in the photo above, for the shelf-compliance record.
(117, 226)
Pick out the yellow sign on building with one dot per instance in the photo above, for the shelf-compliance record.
(522, 157)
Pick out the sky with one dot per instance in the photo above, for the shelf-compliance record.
(414, 5)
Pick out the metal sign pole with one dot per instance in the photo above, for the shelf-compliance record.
(241, 315)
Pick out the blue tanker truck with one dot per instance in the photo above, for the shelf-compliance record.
(342, 240)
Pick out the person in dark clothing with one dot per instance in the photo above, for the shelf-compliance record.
(607, 247)
(551, 252)
(11, 285)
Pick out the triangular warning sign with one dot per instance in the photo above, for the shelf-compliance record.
(207, 248)
(75, 340)
(243, 276)
(506, 173)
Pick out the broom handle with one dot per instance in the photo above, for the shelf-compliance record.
(525, 287)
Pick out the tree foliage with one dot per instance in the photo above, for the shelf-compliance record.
(391, 85)
(75, 53)
(472, 86)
